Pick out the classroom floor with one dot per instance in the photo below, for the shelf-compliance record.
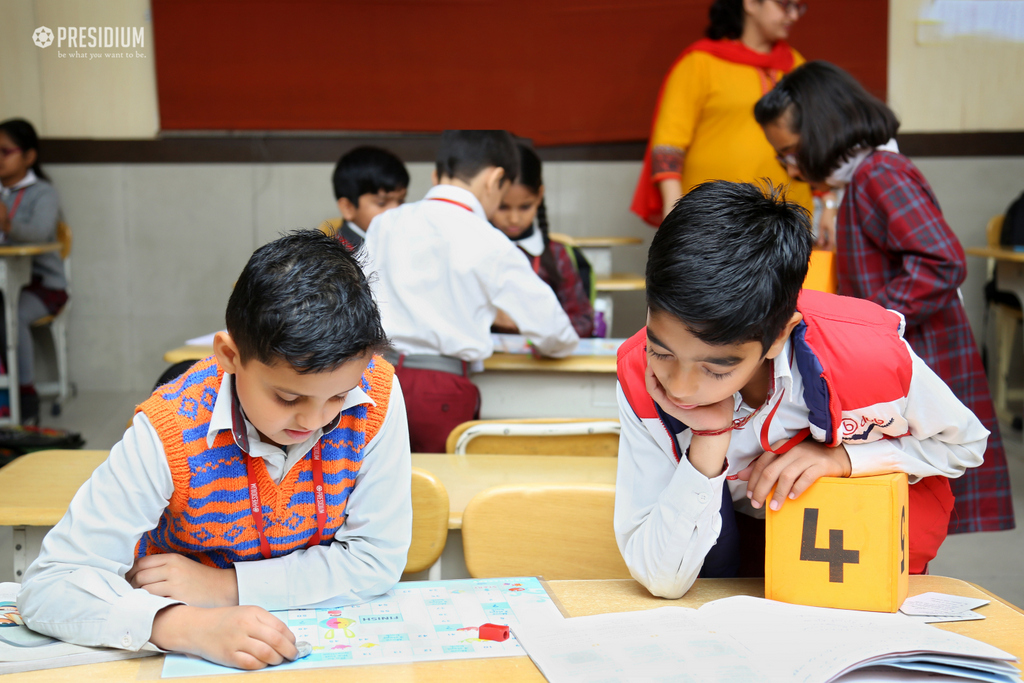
(992, 560)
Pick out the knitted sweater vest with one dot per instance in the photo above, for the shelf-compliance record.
(208, 517)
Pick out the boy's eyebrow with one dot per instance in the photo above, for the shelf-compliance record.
(284, 390)
(714, 360)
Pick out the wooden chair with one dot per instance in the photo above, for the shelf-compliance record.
(1007, 320)
(58, 325)
(540, 436)
(429, 522)
(558, 531)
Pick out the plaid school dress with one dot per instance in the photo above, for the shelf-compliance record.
(896, 249)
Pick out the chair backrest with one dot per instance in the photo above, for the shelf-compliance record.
(64, 237)
(558, 531)
(542, 436)
(994, 230)
(429, 521)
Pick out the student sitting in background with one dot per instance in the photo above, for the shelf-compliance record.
(736, 367)
(29, 212)
(367, 181)
(204, 515)
(442, 274)
(893, 247)
(523, 218)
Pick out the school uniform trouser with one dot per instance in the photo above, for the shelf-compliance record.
(436, 401)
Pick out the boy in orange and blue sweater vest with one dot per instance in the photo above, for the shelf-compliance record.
(274, 474)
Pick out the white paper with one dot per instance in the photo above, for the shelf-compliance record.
(996, 19)
(940, 605)
(588, 346)
(205, 340)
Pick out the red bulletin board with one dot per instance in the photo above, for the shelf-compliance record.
(556, 71)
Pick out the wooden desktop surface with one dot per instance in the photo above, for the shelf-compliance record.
(29, 249)
(996, 253)
(588, 242)
(1003, 627)
(620, 282)
(38, 487)
(518, 362)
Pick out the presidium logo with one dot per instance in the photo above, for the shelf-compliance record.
(42, 37)
(93, 37)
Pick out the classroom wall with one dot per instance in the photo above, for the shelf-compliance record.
(959, 84)
(157, 247)
(100, 96)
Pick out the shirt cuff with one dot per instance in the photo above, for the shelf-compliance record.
(130, 624)
(877, 457)
(696, 492)
(263, 583)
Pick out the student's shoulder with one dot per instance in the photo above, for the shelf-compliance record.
(884, 166)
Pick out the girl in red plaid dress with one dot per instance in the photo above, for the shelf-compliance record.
(894, 248)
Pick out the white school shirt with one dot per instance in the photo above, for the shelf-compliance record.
(440, 272)
(667, 514)
(75, 590)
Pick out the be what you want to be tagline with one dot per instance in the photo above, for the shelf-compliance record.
(115, 42)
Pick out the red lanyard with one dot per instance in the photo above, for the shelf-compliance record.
(452, 201)
(16, 204)
(536, 264)
(318, 494)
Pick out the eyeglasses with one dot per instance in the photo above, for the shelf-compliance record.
(789, 6)
(8, 151)
(788, 159)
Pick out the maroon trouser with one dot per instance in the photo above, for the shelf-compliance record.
(436, 402)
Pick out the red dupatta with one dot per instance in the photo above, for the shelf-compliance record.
(647, 198)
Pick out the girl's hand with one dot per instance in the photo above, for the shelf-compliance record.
(174, 576)
(702, 418)
(792, 472)
(241, 637)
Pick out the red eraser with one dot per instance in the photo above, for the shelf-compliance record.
(497, 632)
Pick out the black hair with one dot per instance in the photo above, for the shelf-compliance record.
(368, 170)
(531, 178)
(832, 113)
(725, 20)
(24, 135)
(464, 153)
(303, 299)
(729, 261)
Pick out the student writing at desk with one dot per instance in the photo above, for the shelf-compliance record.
(737, 367)
(442, 274)
(367, 181)
(163, 545)
(29, 212)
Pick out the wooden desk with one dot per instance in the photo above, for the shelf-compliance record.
(1003, 628)
(621, 282)
(464, 476)
(518, 385)
(15, 273)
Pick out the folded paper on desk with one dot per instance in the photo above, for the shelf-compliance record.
(746, 639)
(25, 650)
(517, 343)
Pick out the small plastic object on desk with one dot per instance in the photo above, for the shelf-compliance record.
(498, 632)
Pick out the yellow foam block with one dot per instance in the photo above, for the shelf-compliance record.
(822, 273)
(843, 543)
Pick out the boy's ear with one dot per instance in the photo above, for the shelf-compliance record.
(776, 347)
(226, 350)
(494, 178)
(347, 208)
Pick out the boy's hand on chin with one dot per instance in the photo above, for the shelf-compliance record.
(703, 418)
(174, 576)
(792, 472)
(241, 637)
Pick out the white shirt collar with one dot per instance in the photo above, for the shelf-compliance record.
(456, 194)
(843, 174)
(782, 379)
(532, 245)
(221, 419)
(30, 179)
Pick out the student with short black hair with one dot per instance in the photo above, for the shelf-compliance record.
(442, 276)
(894, 247)
(367, 181)
(736, 368)
(206, 513)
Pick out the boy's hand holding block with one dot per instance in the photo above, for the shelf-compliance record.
(843, 543)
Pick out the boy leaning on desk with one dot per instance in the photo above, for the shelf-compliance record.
(736, 367)
(207, 513)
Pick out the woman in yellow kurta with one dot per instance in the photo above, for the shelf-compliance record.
(704, 127)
